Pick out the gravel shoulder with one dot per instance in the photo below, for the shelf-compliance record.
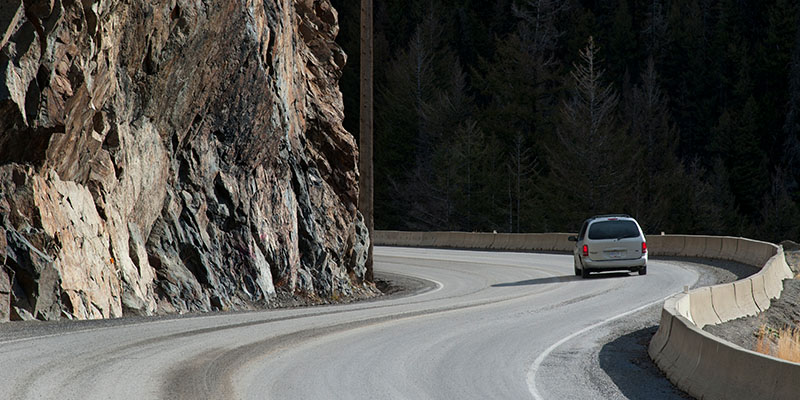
(615, 364)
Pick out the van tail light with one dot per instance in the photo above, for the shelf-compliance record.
(585, 251)
(644, 248)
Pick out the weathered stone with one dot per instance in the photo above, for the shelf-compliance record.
(36, 277)
(21, 314)
(3, 241)
(5, 295)
(360, 249)
(11, 13)
(173, 156)
(40, 8)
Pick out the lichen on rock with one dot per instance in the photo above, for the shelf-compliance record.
(172, 156)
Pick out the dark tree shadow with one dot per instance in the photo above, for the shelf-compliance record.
(627, 363)
(563, 278)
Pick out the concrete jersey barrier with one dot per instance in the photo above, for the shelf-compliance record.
(708, 367)
(555, 242)
(697, 362)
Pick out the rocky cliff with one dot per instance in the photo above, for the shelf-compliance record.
(172, 156)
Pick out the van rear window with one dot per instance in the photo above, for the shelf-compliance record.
(613, 230)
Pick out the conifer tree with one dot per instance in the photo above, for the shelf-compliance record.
(590, 164)
(704, 203)
(775, 52)
(655, 29)
(522, 165)
(622, 43)
(522, 86)
(658, 167)
(779, 213)
(404, 136)
(791, 125)
(737, 143)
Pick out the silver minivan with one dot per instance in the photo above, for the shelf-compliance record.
(610, 243)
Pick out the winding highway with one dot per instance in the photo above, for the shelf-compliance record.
(481, 325)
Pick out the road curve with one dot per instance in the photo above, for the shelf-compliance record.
(484, 328)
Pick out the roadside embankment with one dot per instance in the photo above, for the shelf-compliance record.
(783, 312)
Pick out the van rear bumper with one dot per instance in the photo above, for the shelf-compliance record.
(609, 265)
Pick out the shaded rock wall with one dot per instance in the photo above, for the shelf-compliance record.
(172, 156)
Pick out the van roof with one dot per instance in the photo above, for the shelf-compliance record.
(610, 216)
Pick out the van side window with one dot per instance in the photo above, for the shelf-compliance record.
(583, 230)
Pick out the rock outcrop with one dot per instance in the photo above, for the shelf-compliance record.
(172, 156)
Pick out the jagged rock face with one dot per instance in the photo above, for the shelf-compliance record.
(172, 156)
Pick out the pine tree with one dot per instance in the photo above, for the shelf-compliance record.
(791, 124)
(737, 144)
(774, 63)
(520, 82)
(703, 203)
(655, 29)
(659, 167)
(521, 85)
(469, 169)
(590, 165)
(691, 83)
(780, 216)
(522, 165)
(622, 48)
(418, 77)
(444, 118)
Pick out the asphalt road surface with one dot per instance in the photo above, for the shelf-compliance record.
(487, 325)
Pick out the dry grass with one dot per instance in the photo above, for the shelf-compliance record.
(782, 343)
(762, 343)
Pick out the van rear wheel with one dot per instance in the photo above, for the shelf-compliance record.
(643, 270)
(584, 273)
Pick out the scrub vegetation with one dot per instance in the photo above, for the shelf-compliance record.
(783, 343)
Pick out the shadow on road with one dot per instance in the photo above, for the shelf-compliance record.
(626, 362)
(564, 278)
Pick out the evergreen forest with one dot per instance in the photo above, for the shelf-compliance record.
(531, 115)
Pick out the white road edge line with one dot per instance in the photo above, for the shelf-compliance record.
(531, 376)
(439, 285)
